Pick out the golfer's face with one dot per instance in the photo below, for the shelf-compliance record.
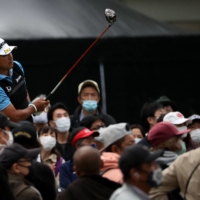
(89, 93)
(6, 62)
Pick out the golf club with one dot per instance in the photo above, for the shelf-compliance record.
(111, 18)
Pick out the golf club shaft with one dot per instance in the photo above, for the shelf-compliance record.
(51, 93)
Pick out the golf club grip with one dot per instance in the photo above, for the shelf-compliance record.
(48, 97)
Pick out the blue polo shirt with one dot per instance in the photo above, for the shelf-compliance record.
(4, 99)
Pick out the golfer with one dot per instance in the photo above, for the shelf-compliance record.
(14, 98)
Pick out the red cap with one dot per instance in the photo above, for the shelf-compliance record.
(163, 131)
(83, 134)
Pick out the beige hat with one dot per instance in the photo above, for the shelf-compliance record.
(89, 83)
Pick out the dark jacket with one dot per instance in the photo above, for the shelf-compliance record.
(67, 174)
(22, 189)
(5, 190)
(90, 188)
(67, 152)
(75, 119)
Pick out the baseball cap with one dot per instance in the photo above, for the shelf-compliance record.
(5, 121)
(113, 133)
(88, 83)
(163, 131)
(5, 49)
(26, 135)
(80, 133)
(134, 156)
(175, 118)
(11, 154)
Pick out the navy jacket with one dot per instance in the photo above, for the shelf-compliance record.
(67, 174)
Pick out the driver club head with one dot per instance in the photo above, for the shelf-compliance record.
(110, 15)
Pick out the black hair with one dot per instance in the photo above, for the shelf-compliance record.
(74, 133)
(160, 119)
(90, 119)
(118, 143)
(139, 127)
(54, 107)
(148, 110)
(46, 129)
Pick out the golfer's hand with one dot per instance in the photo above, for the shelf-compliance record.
(41, 104)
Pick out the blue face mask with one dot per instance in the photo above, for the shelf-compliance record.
(89, 105)
(93, 145)
(183, 150)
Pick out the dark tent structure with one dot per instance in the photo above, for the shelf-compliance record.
(141, 57)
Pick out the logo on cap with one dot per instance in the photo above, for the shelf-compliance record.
(8, 88)
(7, 50)
(180, 115)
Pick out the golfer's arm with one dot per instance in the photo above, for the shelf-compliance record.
(18, 115)
(28, 97)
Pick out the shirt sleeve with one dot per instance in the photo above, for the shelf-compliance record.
(4, 100)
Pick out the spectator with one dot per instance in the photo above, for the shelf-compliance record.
(26, 135)
(168, 105)
(89, 185)
(49, 154)
(89, 97)
(149, 114)
(17, 160)
(58, 118)
(183, 173)
(165, 136)
(93, 122)
(6, 139)
(115, 138)
(180, 122)
(79, 137)
(138, 132)
(194, 127)
(140, 173)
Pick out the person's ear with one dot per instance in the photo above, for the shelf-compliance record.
(77, 146)
(134, 175)
(52, 123)
(116, 149)
(79, 99)
(15, 168)
(151, 120)
(99, 98)
(76, 170)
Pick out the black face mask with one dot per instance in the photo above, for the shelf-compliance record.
(155, 177)
(28, 167)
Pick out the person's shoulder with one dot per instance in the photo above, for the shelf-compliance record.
(19, 65)
(30, 193)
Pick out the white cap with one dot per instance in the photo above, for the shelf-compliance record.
(4, 48)
(89, 83)
(175, 118)
(113, 133)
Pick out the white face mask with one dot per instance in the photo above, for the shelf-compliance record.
(63, 124)
(10, 138)
(40, 119)
(48, 142)
(195, 135)
(182, 128)
(137, 140)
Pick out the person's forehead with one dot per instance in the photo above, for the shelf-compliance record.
(196, 122)
(59, 111)
(89, 89)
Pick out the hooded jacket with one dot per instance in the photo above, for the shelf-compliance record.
(75, 119)
(110, 168)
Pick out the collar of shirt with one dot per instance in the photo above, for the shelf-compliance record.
(8, 78)
(81, 116)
